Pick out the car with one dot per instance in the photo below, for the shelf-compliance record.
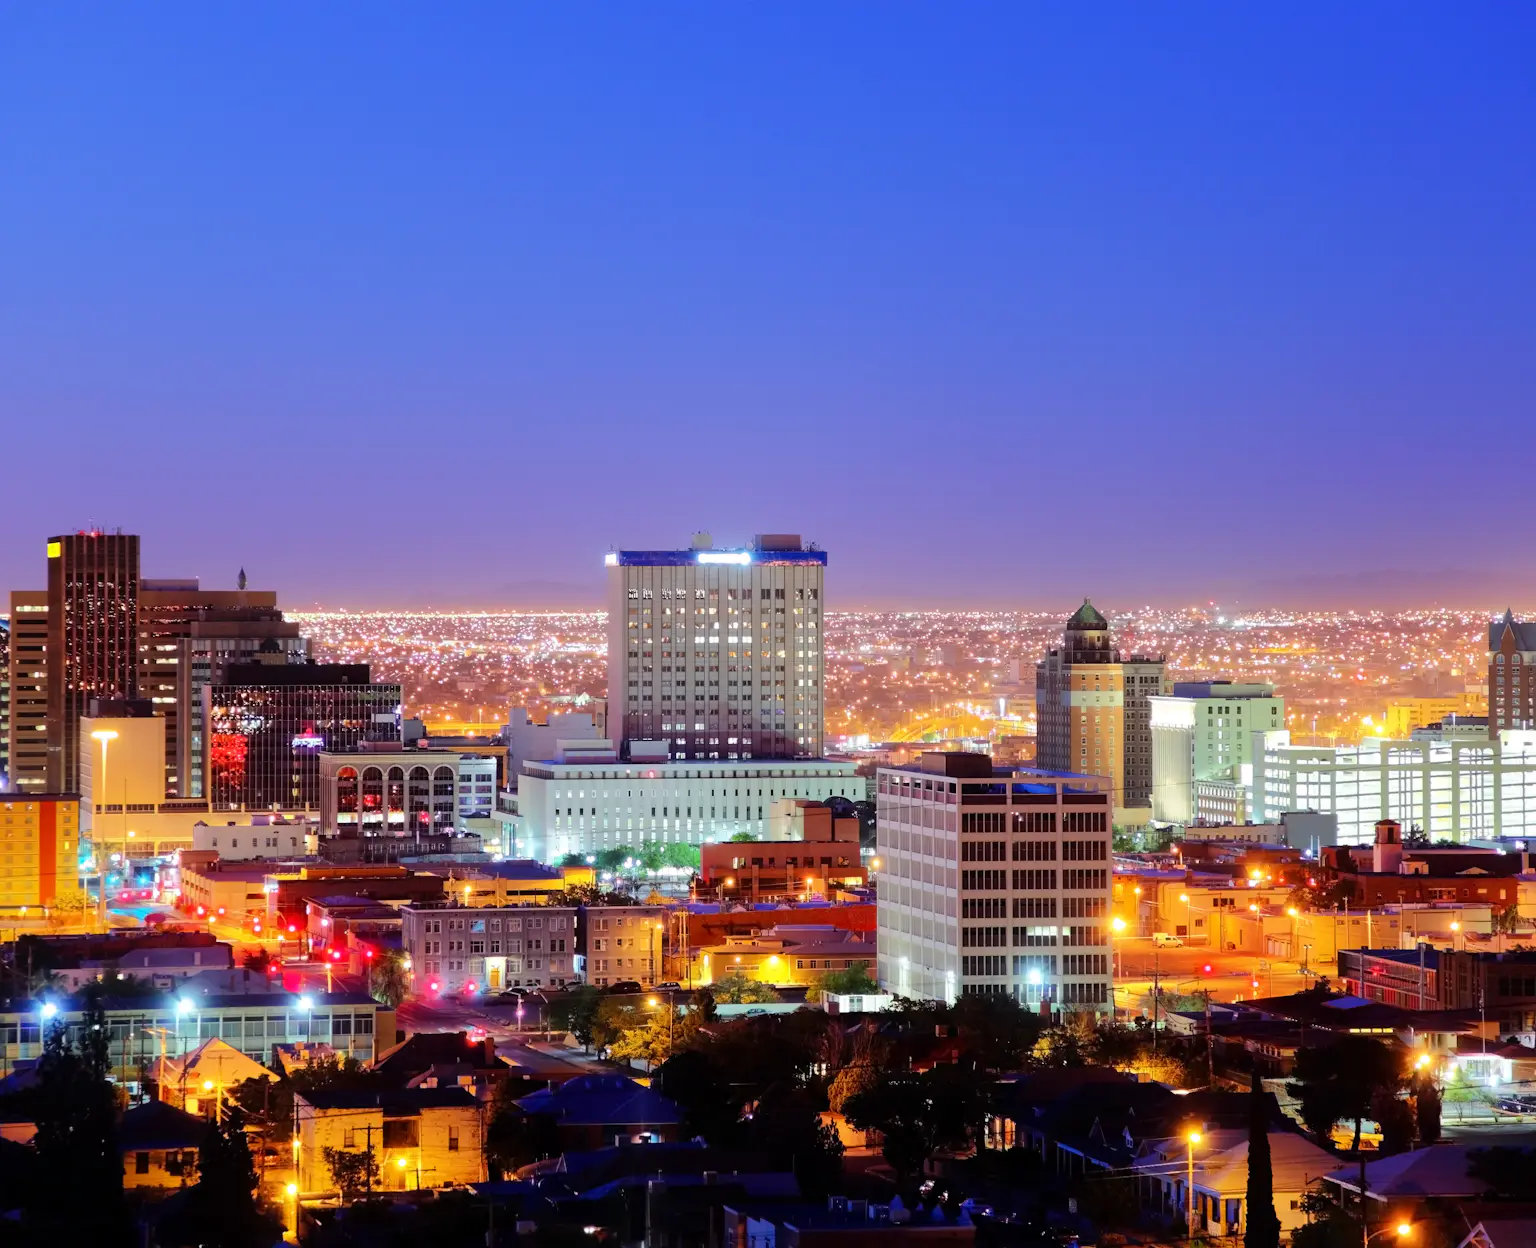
(669, 986)
(1167, 940)
(623, 986)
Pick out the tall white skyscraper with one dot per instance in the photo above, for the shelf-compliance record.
(718, 653)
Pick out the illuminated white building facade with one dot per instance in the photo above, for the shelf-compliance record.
(580, 806)
(1204, 731)
(718, 653)
(994, 881)
(1448, 786)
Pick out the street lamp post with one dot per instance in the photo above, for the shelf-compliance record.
(1191, 1140)
(99, 825)
(1402, 1230)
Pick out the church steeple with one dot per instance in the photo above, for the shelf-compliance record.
(240, 580)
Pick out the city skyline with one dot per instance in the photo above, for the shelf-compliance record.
(1269, 272)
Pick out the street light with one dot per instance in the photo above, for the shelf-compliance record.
(1117, 925)
(1189, 926)
(99, 834)
(1191, 1139)
(1402, 1230)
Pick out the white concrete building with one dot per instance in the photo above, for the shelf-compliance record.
(527, 740)
(476, 949)
(718, 653)
(122, 766)
(1203, 731)
(1451, 788)
(265, 836)
(994, 881)
(595, 802)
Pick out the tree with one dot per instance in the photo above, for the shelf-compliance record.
(514, 1138)
(1395, 1118)
(654, 1039)
(355, 1173)
(681, 856)
(739, 989)
(259, 961)
(577, 1013)
(79, 1167)
(919, 1115)
(744, 838)
(1426, 1110)
(221, 1211)
(387, 978)
(1506, 922)
(785, 1126)
(855, 979)
(1341, 1080)
(1263, 1229)
(697, 1083)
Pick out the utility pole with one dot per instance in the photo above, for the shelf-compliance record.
(1210, 1045)
(1157, 991)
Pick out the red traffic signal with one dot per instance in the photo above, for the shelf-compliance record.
(1206, 968)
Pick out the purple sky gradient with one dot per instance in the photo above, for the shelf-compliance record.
(411, 304)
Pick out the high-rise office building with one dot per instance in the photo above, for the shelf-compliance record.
(1204, 731)
(718, 653)
(27, 676)
(93, 638)
(994, 880)
(268, 723)
(1093, 711)
(5, 705)
(186, 633)
(1511, 674)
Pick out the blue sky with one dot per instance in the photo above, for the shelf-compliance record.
(1013, 303)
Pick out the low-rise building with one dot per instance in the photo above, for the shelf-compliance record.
(517, 881)
(585, 800)
(454, 948)
(141, 1029)
(597, 1110)
(159, 1144)
(623, 943)
(811, 853)
(198, 1082)
(421, 1137)
(790, 955)
(264, 837)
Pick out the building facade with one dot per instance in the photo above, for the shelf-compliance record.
(93, 637)
(252, 1022)
(1447, 786)
(39, 849)
(187, 635)
(994, 881)
(409, 793)
(718, 653)
(601, 803)
(27, 677)
(1203, 731)
(623, 942)
(1093, 711)
(268, 724)
(461, 949)
(1511, 678)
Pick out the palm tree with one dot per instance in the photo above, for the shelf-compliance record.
(387, 980)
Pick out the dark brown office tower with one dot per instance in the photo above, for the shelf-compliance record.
(93, 638)
(186, 635)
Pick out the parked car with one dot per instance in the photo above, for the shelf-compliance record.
(670, 985)
(1167, 940)
(623, 986)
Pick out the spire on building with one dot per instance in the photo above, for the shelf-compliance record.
(240, 580)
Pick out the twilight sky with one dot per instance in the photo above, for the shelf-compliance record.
(433, 304)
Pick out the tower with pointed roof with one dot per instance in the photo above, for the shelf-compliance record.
(1511, 674)
(1093, 712)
